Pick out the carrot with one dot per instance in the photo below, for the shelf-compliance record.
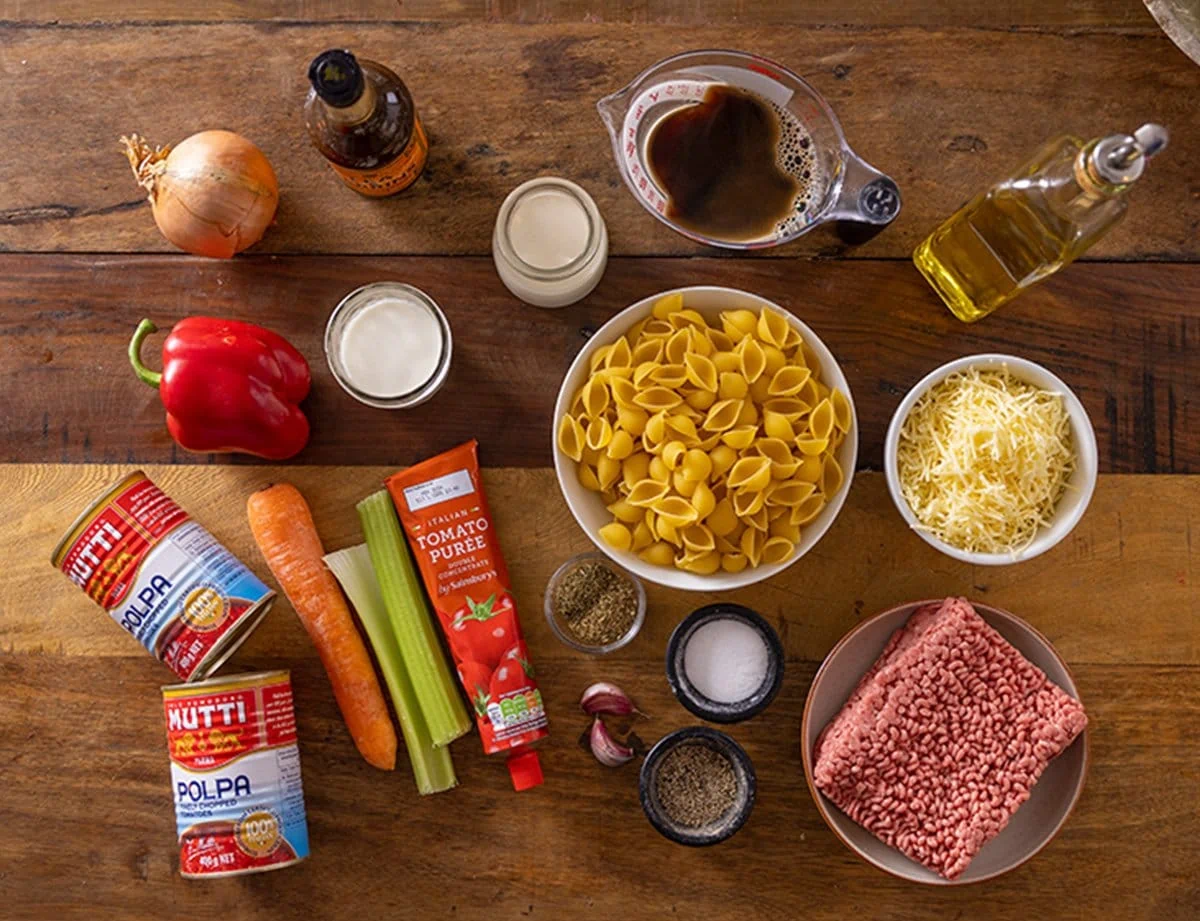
(283, 528)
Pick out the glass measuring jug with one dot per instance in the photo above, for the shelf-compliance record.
(835, 183)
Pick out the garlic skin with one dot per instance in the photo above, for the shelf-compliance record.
(605, 697)
(608, 751)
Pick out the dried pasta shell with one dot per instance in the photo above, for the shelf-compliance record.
(722, 520)
(789, 493)
(701, 371)
(831, 476)
(723, 457)
(747, 502)
(842, 413)
(588, 479)
(667, 531)
(608, 470)
(772, 327)
(751, 360)
(807, 510)
(783, 464)
(599, 433)
(647, 351)
(809, 393)
(793, 339)
(700, 344)
(624, 510)
(656, 427)
(751, 473)
(647, 492)
(726, 360)
(623, 391)
(659, 471)
(738, 323)
(720, 339)
(642, 537)
(709, 442)
(683, 485)
(672, 453)
(782, 527)
(618, 355)
(675, 510)
(733, 562)
(678, 345)
(632, 419)
(657, 329)
(657, 399)
(820, 421)
(790, 407)
(704, 565)
(597, 357)
(570, 438)
(811, 447)
(667, 305)
(616, 535)
(725, 545)
(643, 373)
(682, 426)
(697, 538)
(669, 375)
(776, 550)
(700, 399)
(775, 359)
(810, 470)
(732, 386)
(703, 501)
(739, 437)
(751, 545)
(788, 381)
(595, 397)
(686, 317)
(635, 467)
(659, 553)
(777, 426)
(696, 465)
(722, 416)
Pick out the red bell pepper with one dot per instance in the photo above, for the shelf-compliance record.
(229, 386)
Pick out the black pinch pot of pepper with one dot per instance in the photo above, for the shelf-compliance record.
(656, 802)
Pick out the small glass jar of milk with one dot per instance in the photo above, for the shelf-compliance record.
(550, 244)
(388, 344)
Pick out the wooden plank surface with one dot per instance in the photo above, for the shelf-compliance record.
(945, 111)
(976, 13)
(87, 803)
(1123, 336)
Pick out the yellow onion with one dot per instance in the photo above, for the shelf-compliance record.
(213, 194)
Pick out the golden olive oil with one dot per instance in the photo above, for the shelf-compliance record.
(1032, 224)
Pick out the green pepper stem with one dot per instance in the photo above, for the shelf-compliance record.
(145, 375)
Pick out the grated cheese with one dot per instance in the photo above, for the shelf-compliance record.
(984, 459)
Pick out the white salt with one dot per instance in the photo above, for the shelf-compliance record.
(726, 660)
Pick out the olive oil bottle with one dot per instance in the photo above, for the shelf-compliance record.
(1035, 222)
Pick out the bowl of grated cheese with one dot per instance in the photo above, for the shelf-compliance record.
(991, 459)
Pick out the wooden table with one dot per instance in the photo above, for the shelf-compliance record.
(943, 96)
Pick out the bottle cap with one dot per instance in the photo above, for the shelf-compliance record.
(525, 770)
(336, 77)
(1119, 159)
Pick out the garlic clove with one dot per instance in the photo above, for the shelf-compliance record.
(605, 697)
(608, 751)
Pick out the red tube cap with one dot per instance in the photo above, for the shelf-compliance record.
(525, 770)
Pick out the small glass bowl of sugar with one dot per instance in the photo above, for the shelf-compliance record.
(725, 663)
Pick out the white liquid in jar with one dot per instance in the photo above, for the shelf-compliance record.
(390, 347)
(726, 660)
(548, 228)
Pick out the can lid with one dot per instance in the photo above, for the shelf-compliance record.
(525, 770)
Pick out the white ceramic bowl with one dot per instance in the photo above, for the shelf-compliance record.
(1079, 488)
(1033, 826)
(588, 508)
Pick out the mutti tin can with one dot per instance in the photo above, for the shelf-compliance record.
(162, 577)
(235, 768)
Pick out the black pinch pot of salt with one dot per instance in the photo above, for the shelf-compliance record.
(657, 803)
(693, 699)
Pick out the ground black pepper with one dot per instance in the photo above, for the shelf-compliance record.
(695, 785)
(596, 604)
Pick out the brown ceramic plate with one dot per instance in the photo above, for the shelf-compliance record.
(1035, 823)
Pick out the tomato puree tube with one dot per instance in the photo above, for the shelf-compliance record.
(449, 527)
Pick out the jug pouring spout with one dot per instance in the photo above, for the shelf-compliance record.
(612, 109)
(866, 196)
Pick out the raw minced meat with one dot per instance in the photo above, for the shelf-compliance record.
(944, 737)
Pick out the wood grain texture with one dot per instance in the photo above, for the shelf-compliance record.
(87, 830)
(975, 13)
(1123, 336)
(945, 111)
(1120, 590)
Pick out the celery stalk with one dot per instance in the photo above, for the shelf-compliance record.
(436, 691)
(432, 768)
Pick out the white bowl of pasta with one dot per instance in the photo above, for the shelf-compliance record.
(705, 438)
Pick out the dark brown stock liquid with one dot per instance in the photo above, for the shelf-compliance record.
(718, 162)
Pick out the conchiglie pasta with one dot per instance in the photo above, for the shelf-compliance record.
(710, 440)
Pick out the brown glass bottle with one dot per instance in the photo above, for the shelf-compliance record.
(361, 117)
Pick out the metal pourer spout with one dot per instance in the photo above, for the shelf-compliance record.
(1119, 159)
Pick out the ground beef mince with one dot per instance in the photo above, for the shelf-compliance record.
(944, 737)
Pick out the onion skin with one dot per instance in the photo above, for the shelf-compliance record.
(213, 194)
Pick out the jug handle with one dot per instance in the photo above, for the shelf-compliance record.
(869, 200)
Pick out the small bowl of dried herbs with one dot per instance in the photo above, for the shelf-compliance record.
(697, 786)
(593, 605)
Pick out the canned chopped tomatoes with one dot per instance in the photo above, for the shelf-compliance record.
(235, 769)
(163, 577)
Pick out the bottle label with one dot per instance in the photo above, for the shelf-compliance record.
(392, 177)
